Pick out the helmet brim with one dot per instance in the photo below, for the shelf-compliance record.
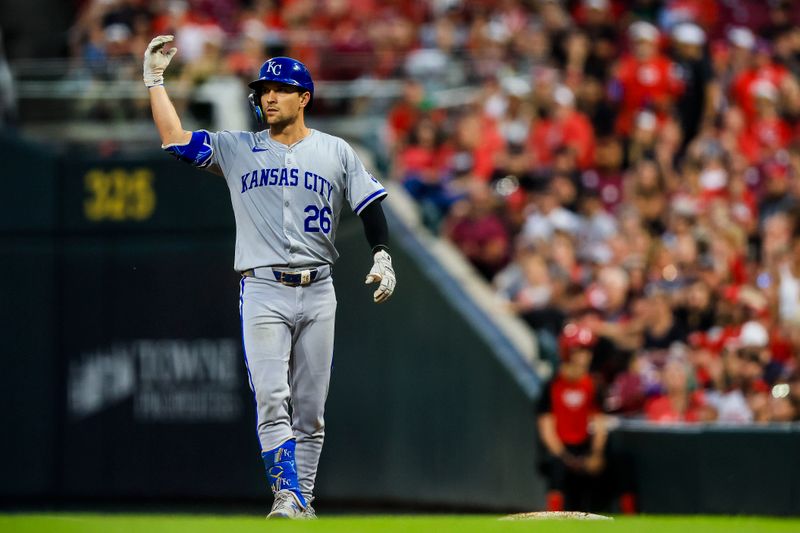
(255, 84)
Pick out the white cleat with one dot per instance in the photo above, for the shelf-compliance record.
(286, 505)
(309, 513)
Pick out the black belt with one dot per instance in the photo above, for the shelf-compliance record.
(293, 278)
(296, 279)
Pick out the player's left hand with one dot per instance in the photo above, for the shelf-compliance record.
(595, 463)
(382, 272)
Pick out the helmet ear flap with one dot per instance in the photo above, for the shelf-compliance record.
(255, 105)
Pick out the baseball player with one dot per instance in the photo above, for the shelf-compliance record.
(287, 185)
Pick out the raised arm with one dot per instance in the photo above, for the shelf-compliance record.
(166, 118)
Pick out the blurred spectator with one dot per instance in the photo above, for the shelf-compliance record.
(248, 54)
(700, 95)
(740, 394)
(593, 103)
(596, 18)
(767, 133)
(606, 176)
(515, 121)
(548, 216)
(777, 196)
(576, 48)
(512, 179)
(787, 48)
(197, 30)
(537, 288)
(477, 141)
(536, 291)
(694, 307)
(642, 142)
(762, 81)
(405, 112)
(564, 126)
(438, 62)
(662, 328)
(567, 409)
(787, 284)
(599, 225)
(644, 78)
(207, 64)
(647, 192)
(610, 296)
(423, 156)
(422, 166)
(678, 403)
(781, 409)
(478, 231)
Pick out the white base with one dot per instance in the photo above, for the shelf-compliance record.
(556, 515)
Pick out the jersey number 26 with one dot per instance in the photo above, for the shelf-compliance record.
(317, 219)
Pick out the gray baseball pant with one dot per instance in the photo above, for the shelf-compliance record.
(288, 344)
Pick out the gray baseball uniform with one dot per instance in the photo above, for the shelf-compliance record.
(286, 202)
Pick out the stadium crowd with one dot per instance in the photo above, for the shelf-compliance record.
(633, 169)
(627, 167)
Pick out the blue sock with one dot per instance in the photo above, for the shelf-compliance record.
(281, 469)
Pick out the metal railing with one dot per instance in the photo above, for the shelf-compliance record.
(75, 101)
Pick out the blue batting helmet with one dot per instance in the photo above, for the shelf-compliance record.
(285, 70)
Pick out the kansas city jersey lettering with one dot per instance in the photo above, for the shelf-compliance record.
(286, 177)
(319, 185)
(287, 200)
(281, 177)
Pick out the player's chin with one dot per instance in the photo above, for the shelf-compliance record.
(276, 119)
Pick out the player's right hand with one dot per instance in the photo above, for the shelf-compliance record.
(156, 60)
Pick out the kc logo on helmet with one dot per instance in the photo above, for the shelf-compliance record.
(274, 68)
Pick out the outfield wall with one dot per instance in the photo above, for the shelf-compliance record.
(713, 469)
(123, 374)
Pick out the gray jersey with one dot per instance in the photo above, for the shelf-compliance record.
(287, 199)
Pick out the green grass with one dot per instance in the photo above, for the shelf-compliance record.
(124, 523)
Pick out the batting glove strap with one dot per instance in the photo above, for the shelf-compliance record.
(383, 273)
(156, 60)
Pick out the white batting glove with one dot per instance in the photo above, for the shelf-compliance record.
(382, 272)
(156, 60)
